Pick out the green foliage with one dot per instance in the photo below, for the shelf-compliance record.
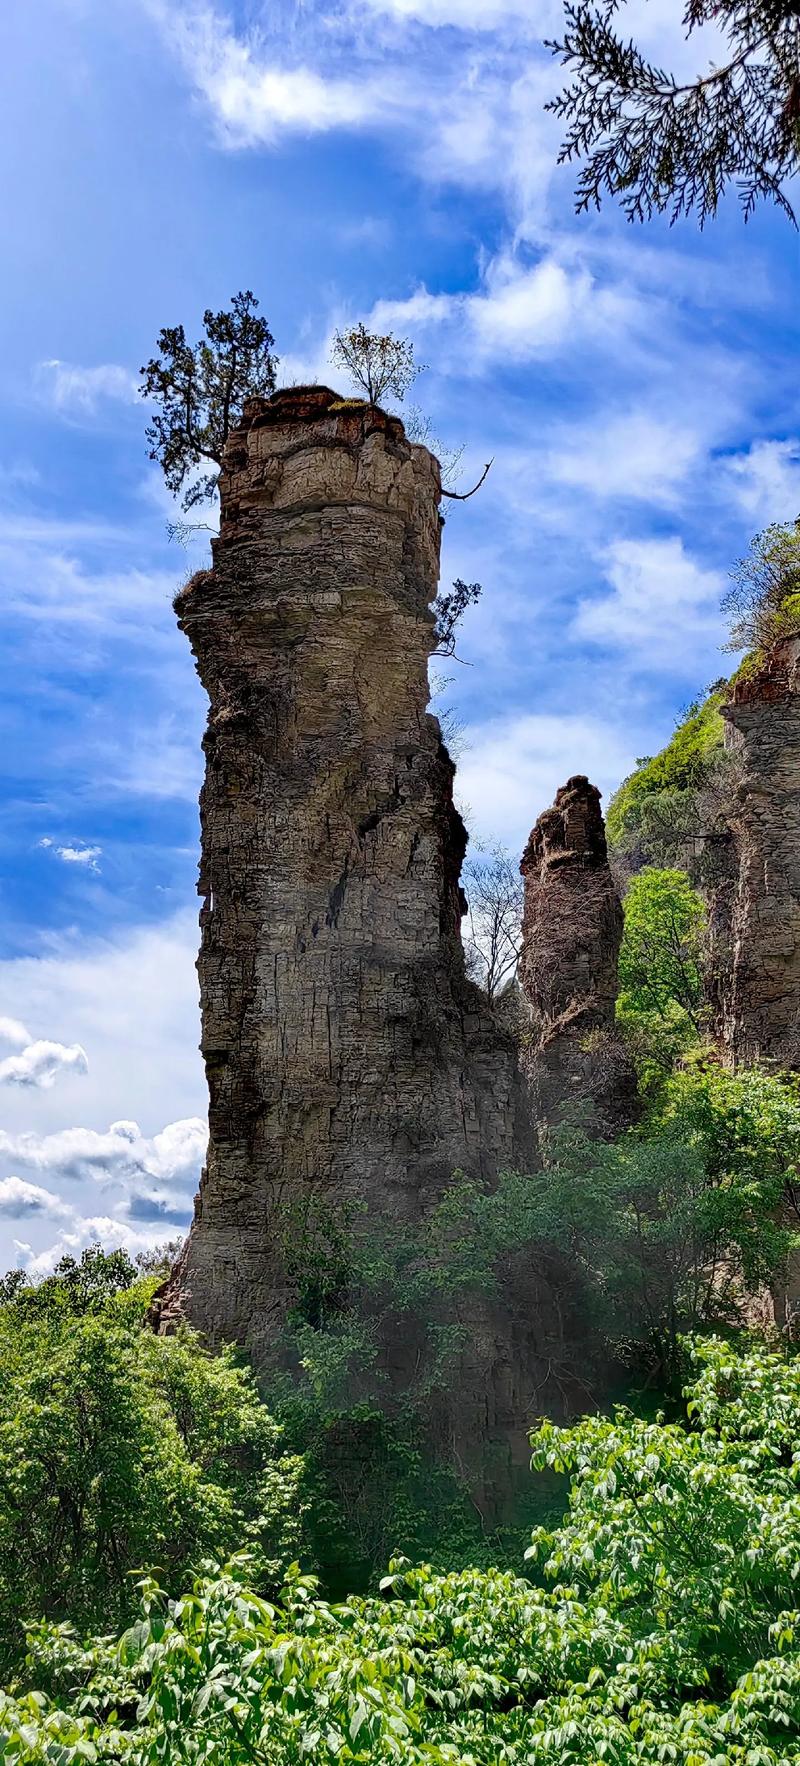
(660, 1002)
(119, 1450)
(664, 1625)
(661, 792)
(674, 1227)
(199, 391)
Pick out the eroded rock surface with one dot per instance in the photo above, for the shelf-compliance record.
(571, 936)
(760, 1005)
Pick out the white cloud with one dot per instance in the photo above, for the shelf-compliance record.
(121, 1155)
(78, 391)
(514, 766)
(18, 1199)
(36, 1064)
(255, 100)
(85, 856)
(469, 15)
(663, 606)
(102, 1229)
(631, 455)
(521, 311)
(130, 1000)
(766, 480)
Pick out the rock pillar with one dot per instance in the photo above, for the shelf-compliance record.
(761, 1003)
(571, 934)
(346, 1052)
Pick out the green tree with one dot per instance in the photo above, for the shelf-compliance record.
(199, 392)
(119, 1450)
(659, 144)
(660, 1003)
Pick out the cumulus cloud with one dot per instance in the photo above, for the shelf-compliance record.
(18, 1199)
(83, 1230)
(36, 1063)
(76, 391)
(130, 999)
(122, 1155)
(521, 311)
(662, 606)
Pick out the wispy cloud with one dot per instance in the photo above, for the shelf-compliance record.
(515, 764)
(85, 857)
(662, 605)
(75, 391)
(253, 98)
(765, 480)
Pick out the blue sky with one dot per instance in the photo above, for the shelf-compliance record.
(380, 159)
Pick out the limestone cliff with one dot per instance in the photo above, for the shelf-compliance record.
(346, 1051)
(571, 935)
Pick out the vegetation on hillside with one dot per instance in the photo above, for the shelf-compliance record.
(659, 1621)
(654, 809)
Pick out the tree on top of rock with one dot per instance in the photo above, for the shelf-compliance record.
(199, 391)
(379, 363)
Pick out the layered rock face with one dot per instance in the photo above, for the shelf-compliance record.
(571, 936)
(346, 1052)
(760, 1003)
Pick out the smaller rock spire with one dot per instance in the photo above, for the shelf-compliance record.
(571, 936)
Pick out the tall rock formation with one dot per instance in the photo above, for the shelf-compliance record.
(760, 1002)
(346, 1052)
(571, 935)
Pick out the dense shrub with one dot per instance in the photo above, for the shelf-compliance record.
(663, 1625)
(120, 1451)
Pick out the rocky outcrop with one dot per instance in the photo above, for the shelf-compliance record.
(346, 1052)
(760, 1002)
(571, 935)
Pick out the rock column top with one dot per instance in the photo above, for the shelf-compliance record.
(572, 832)
(306, 447)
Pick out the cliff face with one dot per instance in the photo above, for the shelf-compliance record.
(760, 1003)
(346, 1052)
(571, 936)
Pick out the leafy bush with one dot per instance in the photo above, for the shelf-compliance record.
(120, 1450)
(665, 1625)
